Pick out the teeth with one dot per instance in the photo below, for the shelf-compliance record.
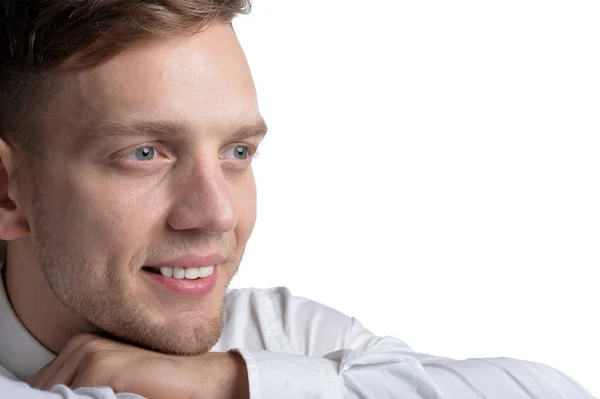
(166, 271)
(192, 273)
(178, 273)
(189, 273)
(205, 271)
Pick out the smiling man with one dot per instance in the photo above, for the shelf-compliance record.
(127, 199)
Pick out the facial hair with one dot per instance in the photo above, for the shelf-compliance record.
(91, 293)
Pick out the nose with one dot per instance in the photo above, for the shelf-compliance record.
(204, 202)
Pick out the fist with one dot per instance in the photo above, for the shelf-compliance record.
(92, 361)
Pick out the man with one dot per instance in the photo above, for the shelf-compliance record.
(127, 198)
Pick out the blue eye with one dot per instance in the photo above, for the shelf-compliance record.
(142, 154)
(241, 152)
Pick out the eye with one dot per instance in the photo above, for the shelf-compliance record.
(241, 152)
(146, 153)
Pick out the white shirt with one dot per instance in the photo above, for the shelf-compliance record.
(295, 348)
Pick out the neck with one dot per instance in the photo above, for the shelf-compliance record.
(33, 301)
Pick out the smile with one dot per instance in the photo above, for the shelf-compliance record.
(180, 273)
(186, 282)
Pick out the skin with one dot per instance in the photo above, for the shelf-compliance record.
(91, 361)
(81, 224)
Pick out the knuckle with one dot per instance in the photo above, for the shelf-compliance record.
(92, 345)
(96, 366)
(74, 343)
(96, 356)
(77, 341)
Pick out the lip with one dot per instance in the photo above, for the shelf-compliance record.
(192, 260)
(190, 289)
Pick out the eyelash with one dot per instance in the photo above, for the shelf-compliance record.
(121, 155)
(253, 151)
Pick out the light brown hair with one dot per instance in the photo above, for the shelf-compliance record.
(37, 36)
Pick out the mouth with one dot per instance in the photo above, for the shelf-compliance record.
(181, 273)
(184, 282)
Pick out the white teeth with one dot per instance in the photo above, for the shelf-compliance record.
(205, 271)
(189, 273)
(192, 273)
(178, 273)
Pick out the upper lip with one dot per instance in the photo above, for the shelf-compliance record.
(192, 260)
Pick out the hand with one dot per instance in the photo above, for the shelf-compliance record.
(91, 361)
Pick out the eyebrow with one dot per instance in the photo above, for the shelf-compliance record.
(111, 129)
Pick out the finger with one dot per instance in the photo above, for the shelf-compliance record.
(100, 368)
(74, 360)
(92, 360)
(89, 378)
(63, 376)
(62, 369)
(40, 377)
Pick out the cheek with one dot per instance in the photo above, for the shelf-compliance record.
(244, 197)
(105, 215)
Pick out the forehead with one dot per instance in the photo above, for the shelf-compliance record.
(203, 79)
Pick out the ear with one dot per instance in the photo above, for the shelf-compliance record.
(13, 222)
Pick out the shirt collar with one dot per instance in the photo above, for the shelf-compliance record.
(20, 353)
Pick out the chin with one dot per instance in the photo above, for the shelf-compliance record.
(194, 336)
(188, 334)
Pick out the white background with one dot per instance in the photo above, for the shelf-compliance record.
(433, 169)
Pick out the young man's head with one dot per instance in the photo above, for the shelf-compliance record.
(127, 133)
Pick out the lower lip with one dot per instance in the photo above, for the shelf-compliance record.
(185, 288)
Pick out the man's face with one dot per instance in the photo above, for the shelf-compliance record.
(145, 164)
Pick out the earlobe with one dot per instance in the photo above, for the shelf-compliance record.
(13, 223)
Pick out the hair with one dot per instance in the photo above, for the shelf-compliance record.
(38, 36)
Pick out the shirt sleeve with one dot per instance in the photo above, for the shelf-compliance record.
(10, 389)
(324, 354)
